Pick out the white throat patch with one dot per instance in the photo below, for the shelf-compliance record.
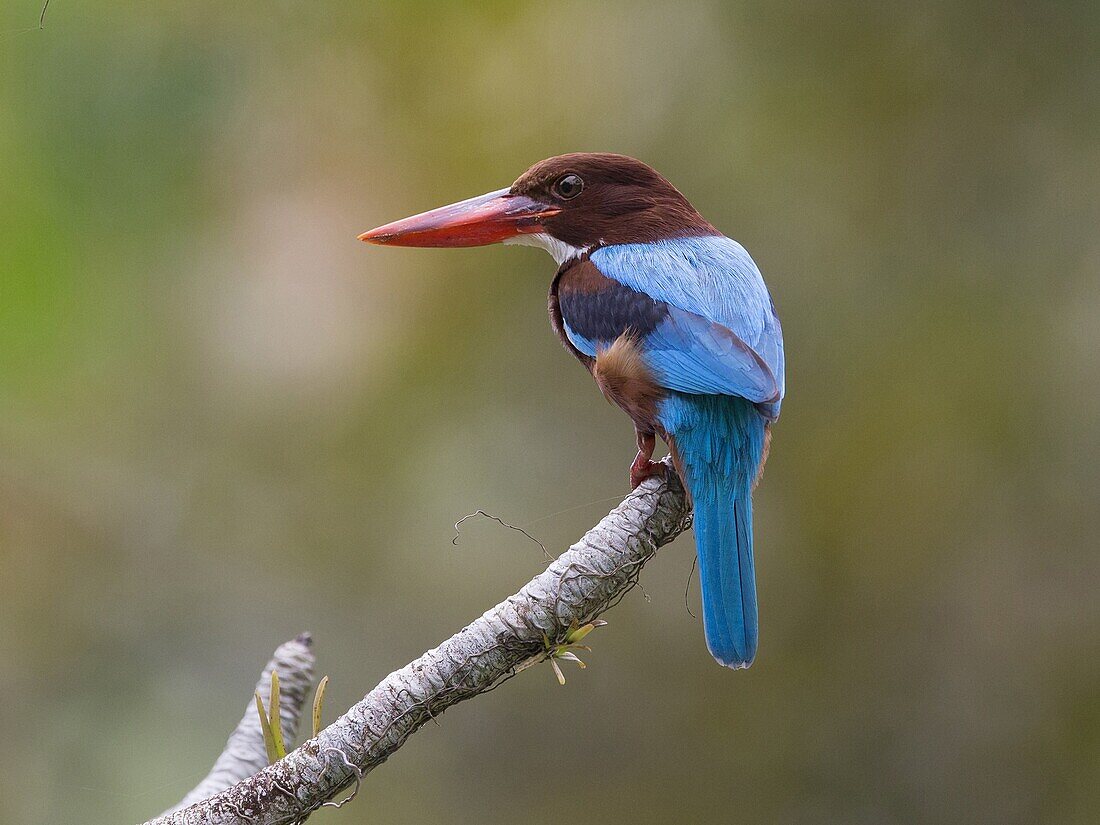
(560, 251)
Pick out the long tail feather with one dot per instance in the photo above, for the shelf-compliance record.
(718, 442)
(723, 538)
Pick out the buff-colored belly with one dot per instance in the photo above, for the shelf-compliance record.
(626, 381)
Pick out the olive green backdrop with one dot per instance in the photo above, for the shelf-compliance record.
(223, 420)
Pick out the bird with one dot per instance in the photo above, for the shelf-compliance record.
(674, 322)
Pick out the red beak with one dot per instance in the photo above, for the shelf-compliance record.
(485, 219)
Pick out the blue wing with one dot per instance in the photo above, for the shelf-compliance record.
(720, 335)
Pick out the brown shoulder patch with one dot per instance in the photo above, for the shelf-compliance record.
(584, 277)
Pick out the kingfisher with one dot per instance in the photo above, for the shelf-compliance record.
(673, 321)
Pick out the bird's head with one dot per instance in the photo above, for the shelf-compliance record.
(567, 204)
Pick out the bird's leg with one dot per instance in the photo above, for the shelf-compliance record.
(644, 466)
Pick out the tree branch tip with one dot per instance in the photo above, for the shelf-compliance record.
(547, 619)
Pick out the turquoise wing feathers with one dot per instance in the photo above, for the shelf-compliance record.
(721, 335)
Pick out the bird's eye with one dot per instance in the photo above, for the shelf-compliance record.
(568, 186)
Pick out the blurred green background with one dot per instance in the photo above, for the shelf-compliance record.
(223, 420)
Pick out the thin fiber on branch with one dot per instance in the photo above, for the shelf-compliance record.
(590, 577)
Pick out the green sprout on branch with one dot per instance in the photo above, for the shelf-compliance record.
(318, 703)
(571, 641)
(271, 721)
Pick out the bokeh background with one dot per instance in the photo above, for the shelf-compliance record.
(224, 421)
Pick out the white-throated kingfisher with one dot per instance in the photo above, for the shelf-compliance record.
(674, 322)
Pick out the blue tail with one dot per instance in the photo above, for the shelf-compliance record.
(723, 540)
(719, 441)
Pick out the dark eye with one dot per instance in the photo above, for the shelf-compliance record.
(568, 186)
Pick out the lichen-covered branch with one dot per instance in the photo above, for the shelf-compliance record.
(593, 575)
(244, 753)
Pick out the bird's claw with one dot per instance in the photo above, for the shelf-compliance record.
(643, 468)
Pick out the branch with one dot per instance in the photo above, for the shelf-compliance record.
(245, 753)
(590, 577)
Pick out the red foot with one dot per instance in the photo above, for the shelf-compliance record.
(644, 466)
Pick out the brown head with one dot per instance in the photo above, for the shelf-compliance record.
(567, 204)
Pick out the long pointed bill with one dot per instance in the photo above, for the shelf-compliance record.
(485, 219)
